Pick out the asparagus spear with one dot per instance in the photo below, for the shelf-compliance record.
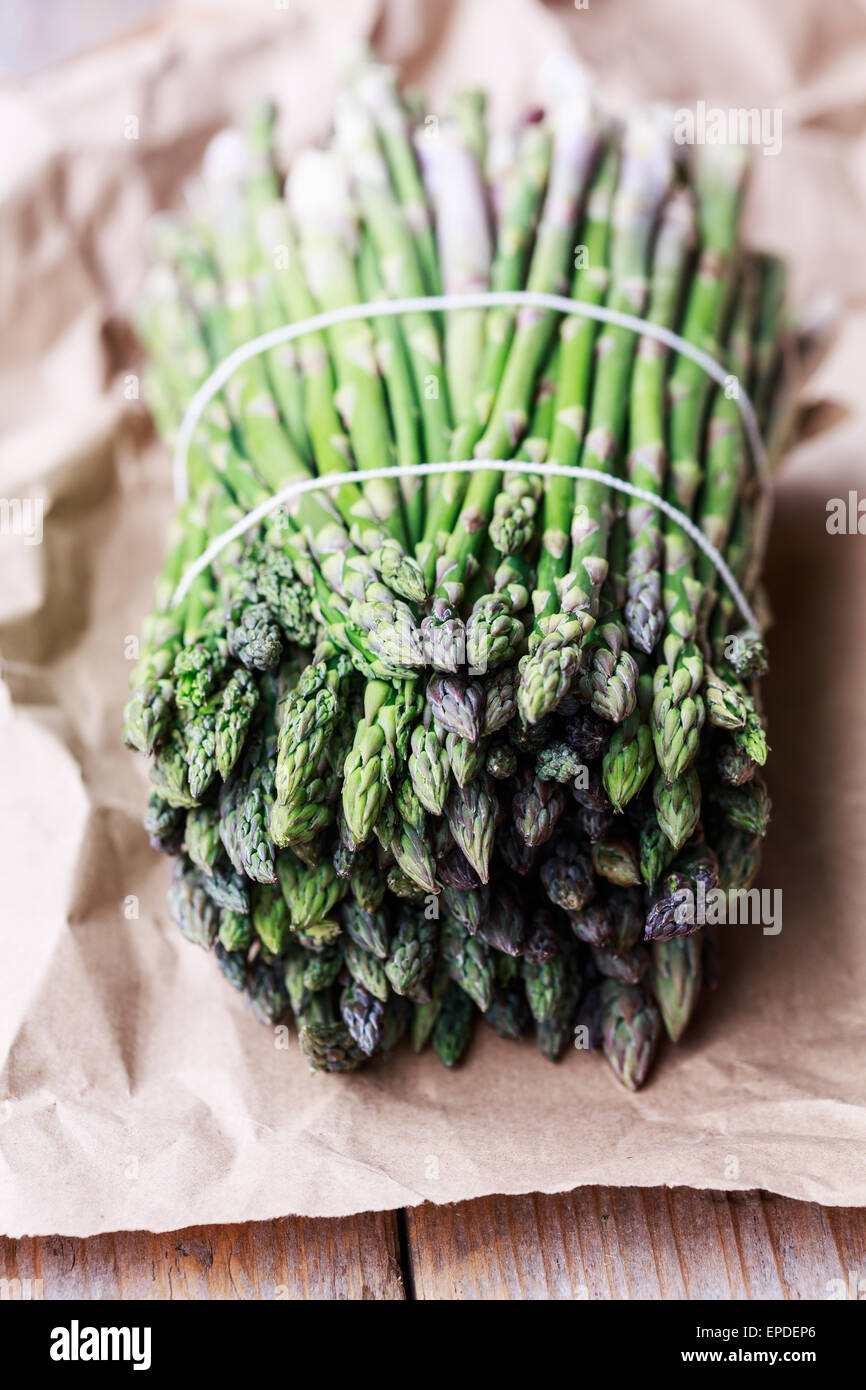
(429, 765)
(325, 1040)
(454, 181)
(647, 459)
(452, 1029)
(675, 975)
(412, 951)
(575, 145)
(351, 573)
(678, 805)
(377, 86)
(507, 271)
(522, 201)
(397, 375)
(148, 715)
(191, 906)
(165, 825)
(631, 1030)
(332, 448)
(363, 1015)
(389, 231)
(471, 812)
(321, 206)
(678, 707)
(629, 758)
(372, 760)
(512, 525)
(747, 807)
(629, 222)
(387, 621)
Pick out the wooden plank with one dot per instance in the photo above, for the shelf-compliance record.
(644, 1243)
(823, 1253)
(615, 1243)
(295, 1258)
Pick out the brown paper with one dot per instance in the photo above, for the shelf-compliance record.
(136, 1090)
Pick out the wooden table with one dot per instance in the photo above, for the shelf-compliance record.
(609, 1243)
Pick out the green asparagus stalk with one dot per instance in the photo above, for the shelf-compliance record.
(397, 376)
(629, 758)
(324, 1038)
(454, 181)
(452, 1029)
(625, 219)
(512, 525)
(678, 806)
(575, 144)
(322, 208)
(390, 234)
(678, 707)
(675, 975)
(643, 183)
(377, 86)
(522, 202)
(363, 1015)
(647, 459)
(631, 1030)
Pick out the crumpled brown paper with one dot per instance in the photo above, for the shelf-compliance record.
(136, 1090)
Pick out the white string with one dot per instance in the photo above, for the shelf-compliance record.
(483, 299)
(434, 303)
(302, 485)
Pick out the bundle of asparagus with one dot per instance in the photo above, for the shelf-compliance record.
(390, 694)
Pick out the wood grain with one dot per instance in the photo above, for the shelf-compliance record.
(296, 1258)
(595, 1243)
(628, 1243)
